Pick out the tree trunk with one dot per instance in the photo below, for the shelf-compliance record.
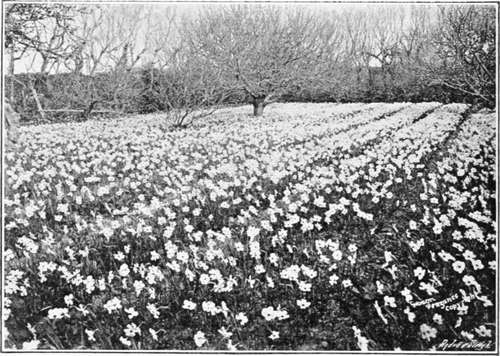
(11, 74)
(258, 106)
(88, 109)
(37, 101)
(11, 124)
(45, 64)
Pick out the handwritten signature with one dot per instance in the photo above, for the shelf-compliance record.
(465, 345)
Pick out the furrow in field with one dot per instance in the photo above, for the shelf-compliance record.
(335, 128)
(401, 153)
(297, 158)
(306, 150)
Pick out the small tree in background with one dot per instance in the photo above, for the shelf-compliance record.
(191, 91)
(181, 83)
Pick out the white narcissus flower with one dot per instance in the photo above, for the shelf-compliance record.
(225, 334)
(31, 345)
(252, 232)
(458, 266)
(242, 318)
(281, 314)
(427, 332)
(407, 294)
(483, 331)
(437, 318)
(90, 334)
(153, 310)
(239, 246)
(419, 272)
(274, 335)
(132, 313)
(199, 338)
(124, 270)
(303, 303)
(139, 286)
(333, 279)
(58, 313)
(477, 264)
(469, 255)
(304, 286)
(154, 334)
(466, 335)
(113, 305)
(273, 258)
(182, 256)
(204, 279)
(259, 269)
(469, 280)
(189, 305)
(210, 307)
(131, 330)
(268, 313)
(346, 283)
(337, 255)
(81, 309)
(155, 256)
(230, 346)
(68, 300)
(390, 301)
(125, 341)
(107, 232)
(411, 315)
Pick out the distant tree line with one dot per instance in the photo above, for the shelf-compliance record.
(137, 59)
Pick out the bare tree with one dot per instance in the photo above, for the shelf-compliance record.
(388, 48)
(356, 40)
(188, 87)
(415, 27)
(106, 36)
(466, 45)
(263, 50)
(192, 91)
(163, 37)
(38, 29)
(107, 49)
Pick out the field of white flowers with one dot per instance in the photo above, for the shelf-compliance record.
(313, 227)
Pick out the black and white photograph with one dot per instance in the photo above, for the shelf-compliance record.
(249, 177)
